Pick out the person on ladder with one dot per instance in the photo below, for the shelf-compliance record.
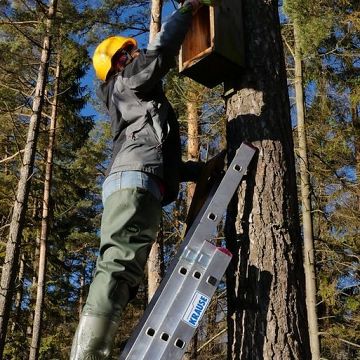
(144, 173)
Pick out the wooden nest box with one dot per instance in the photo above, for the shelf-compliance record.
(213, 48)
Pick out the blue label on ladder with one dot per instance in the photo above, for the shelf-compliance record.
(196, 309)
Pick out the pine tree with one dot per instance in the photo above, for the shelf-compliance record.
(17, 222)
(155, 261)
(266, 307)
(305, 180)
(328, 35)
(36, 332)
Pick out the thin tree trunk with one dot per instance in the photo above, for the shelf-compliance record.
(212, 327)
(19, 210)
(309, 256)
(19, 294)
(155, 22)
(193, 151)
(36, 333)
(81, 290)
(265, 280)
(35, 259)
(155, 262)
(356, 125)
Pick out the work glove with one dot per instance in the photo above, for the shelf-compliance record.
(195, 5)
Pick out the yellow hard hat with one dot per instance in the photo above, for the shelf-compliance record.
(106, 50)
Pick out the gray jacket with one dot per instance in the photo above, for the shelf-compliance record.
(144, 127)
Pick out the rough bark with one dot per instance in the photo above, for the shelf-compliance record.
(40, 294)
(155, 262)
(305, 187)
(265, 281)
(20, 205)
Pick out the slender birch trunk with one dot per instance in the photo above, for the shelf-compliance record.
(36, 332)
(20, 206)
(305, 187)
(265, 280)
(155, 262)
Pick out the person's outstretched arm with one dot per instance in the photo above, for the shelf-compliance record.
(154, 63)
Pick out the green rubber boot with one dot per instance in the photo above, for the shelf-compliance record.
(93, 339)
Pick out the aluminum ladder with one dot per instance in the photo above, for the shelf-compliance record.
(171, 318)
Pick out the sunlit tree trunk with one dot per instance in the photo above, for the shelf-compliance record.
(36, 333)
(309, 256)
(265, 280)
(155, 261)
(155, 21)
(19, 210)
(193, 151)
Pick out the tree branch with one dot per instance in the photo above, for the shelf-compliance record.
(211, 340)
(28, 22)
(11, 157)
(340, 339)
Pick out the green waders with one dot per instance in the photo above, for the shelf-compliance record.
(129, 226)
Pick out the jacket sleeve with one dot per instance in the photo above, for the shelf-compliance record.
(154, 63)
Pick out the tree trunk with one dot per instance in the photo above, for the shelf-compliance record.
(193, 151)
(309, 256)
(356, 125)
(36, 333)
(19, 294)
(266, 306)
(19, 210)
(155, 21)
(82, 289)
(155, 262)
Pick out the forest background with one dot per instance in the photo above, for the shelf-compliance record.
(58, 238)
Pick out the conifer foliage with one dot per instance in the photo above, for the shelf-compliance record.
(55, 262)
(329, 42)
(55, 147)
